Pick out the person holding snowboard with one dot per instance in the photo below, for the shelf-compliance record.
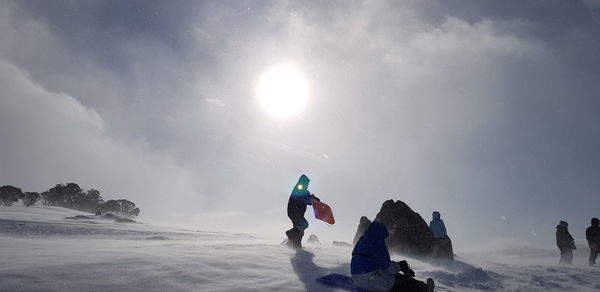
(372, 269)
(565, 243)
(592, 234)
(296, 207)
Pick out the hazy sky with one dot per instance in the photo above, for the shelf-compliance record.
(487, 111)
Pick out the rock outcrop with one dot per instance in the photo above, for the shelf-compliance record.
(341, 243)
(125, 220)
(78, 217)
(409, 233)
(362, 226)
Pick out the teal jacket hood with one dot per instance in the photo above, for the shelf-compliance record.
(301, 187)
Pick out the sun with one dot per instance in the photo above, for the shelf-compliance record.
(282, 91)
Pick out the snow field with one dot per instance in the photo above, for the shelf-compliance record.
(42, 251)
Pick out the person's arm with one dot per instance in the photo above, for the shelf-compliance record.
(308, 197)
(393, 268)
(406, 270)
(315, 197)
(444, 228)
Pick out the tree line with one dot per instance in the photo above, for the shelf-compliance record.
(70, 196)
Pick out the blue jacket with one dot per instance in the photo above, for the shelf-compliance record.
(437, 226)
(371, 253)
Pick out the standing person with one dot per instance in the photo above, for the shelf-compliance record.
(372, 269)
(592, 234)
(565, 243)
(296, 207)
(437, 226)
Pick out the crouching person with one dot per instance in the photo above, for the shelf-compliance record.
(372, 269)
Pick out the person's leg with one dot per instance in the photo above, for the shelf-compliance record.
(301, 225)
(291, 233)
(593, 255)
(563, 256)
(569, 256)
(405, 283)
(297, 232)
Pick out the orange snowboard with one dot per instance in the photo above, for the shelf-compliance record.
(323, 212)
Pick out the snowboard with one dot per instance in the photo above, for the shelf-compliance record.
(323, 212)
(337, 281)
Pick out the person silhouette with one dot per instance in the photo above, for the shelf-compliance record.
(299, 199)
(437, 226)
(373, 270)
(442, 244)
(592, 234)
(565, 243)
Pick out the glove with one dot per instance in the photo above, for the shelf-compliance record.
(406, 270)
(315, 197)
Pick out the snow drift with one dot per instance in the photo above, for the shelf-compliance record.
(43, 251)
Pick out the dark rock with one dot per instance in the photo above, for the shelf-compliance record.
(442, 248)
(362, 226)
(78, 217)
(341, 243)
(125, 220)
(158, 237)
(313, 239)
(409, 233)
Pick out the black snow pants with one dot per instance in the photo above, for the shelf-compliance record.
(405, 283)
(566, 256)
(594, 251)
(296, 209)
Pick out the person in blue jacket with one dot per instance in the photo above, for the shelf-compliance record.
(372, 269)
(442, 245)
(437, 226)
(296, 208)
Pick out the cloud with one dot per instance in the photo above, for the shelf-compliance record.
(472, 109)
(215, 102)
(50, 138)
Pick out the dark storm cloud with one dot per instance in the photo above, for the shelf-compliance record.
(485, 110)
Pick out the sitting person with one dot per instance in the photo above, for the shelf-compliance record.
(372, 269)
(437, 226)
(442, 245)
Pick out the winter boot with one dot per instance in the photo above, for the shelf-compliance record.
(294, 236)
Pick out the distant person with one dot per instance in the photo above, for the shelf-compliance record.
(592, 234)
(442, 245)
(437, 226)
(98, 213)
(565, 243)
(296, 207)
(372, 269)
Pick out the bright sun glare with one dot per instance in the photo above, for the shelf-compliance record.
(282, 91)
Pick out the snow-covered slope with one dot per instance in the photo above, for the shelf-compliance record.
(42, 251)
